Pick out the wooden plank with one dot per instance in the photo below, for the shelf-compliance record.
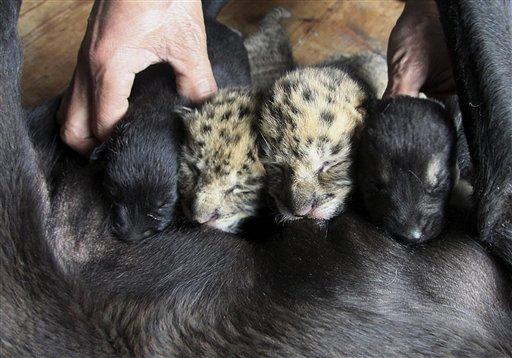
(53, 29)
(29, 5)
(350, 28)
(51, 34)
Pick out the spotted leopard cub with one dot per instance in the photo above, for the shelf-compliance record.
(308, 125)
(221, 176)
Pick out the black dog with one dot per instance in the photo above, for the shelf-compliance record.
(304, 291)
(407, 167)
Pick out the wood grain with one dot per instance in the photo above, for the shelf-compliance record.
(52, 30)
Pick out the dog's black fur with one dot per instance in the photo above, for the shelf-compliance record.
(407, 167)
(464, 164)
(68, 289)
(35, 300)
(141, 166)
(479, 35)
(211, 8)
(142, 156)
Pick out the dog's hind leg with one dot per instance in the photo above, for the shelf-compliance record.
(37, 310)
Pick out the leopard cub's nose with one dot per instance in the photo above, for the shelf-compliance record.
(208, 218)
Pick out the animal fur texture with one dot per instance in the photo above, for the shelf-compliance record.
(479, 36)
(368, 66)
(221, 175)
(141, 166)
(68, 288)
(465, 166)
(38, 314)
(142, 157)
(268, 49)
(221, 180)
(308, 125)
(407, 167)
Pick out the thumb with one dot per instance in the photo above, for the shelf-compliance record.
(405, 75)
(398, 86)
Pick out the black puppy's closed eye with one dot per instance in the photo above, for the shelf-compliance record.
(148, 233)
(434, 188)
(120, 219)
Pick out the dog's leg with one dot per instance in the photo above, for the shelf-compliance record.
(37, 310)
(480, 36)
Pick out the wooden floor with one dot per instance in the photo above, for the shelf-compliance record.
(51, 31)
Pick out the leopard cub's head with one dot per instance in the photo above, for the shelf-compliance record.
(221, 176)
(308, 126)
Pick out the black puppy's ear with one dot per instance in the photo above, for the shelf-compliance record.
(452, 108)
(98, 155)
(454, 116)
(463, 157)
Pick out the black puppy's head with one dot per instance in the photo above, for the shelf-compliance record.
(138, 212)
(141, 172)
(407, 167)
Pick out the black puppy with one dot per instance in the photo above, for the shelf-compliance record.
(142, 166)
(407, 167)
(142, 156)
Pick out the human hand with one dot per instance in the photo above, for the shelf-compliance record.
(418, 58)
(122, 39)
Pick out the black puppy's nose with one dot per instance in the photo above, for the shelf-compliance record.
(414, 234)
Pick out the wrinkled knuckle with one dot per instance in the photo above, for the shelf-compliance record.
(70, 135)
(193, 37)
(99, 57)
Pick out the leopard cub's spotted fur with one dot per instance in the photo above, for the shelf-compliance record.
(308, 125)
(221, 175)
